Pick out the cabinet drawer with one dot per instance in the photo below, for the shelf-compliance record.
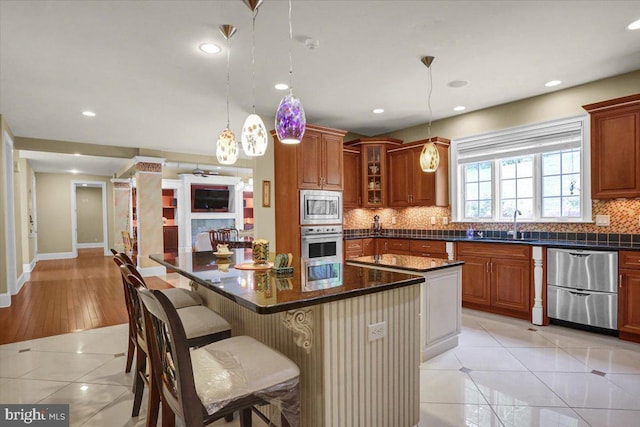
(352, 254)
(440, 255)
(351, 245)
(629, 259)
(494, 250)
(398, 245)
(428, 246)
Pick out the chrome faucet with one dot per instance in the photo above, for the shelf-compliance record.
(515, 223)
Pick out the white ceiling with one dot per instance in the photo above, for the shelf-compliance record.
(137, 63)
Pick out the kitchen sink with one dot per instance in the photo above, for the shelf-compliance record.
(502, 239)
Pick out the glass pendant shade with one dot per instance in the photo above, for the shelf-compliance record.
(254, 136)
(227, 147)
(429, 157)
(290, 120)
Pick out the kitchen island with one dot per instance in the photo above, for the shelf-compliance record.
(440, 297)
(356, 343)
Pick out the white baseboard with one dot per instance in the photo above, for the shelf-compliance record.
(152, 271)
(28, 268)
(55, 255)
(24, 277)
(90, 245)
(5, 300)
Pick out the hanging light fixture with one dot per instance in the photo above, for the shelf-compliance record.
(429, 157)
(290, 118)
(227, 147)
(254, 133)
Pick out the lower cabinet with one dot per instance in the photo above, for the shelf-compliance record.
(496, 278)
(355, 248)
(170, 238)
(629, 295)
(429, 248)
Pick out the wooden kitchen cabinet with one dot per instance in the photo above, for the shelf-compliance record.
(374, 176)
(615, 148)
(368, 247)
(355, 248)
(320, 159)
(429, 248)
(393, 246)
(496, 278)
(352, 192)
(629, 295)
(409, 185)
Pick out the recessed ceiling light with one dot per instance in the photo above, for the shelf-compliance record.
(281, 86)
(378, 110)
(458, 83)
(210, 48)
(88, 114)
(459, 108)
(74, 171)
(635, 25)
(552, 83)
(84, 387)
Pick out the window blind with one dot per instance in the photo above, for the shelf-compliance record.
(515, 142)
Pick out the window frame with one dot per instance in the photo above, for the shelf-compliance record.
(457, 177)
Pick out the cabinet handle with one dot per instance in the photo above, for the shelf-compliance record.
(359, 200)
(620, 281)
(491, 267)
(486, 265)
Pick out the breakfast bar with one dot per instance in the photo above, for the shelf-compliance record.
(355, 341)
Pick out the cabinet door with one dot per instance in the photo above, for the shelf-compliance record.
(629, 301)
(351, 194)
(615, 153)
(399, 174)
(368, 247)
(373, 173)
(310, 160)
(170, 238)
(331, 162)
(475, 281)
(424, 183)
(510, 284)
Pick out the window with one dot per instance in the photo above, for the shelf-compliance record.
(538, 170)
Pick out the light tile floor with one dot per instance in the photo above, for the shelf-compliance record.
(505, 372)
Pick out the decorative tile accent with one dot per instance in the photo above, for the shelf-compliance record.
(121, 185)
(148, 167)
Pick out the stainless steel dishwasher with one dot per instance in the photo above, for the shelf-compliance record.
(582, 287)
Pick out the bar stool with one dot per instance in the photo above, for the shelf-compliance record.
(211, 382)
(202, 326)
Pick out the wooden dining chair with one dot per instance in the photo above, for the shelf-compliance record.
(212, 382)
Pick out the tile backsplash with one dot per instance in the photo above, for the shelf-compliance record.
(623, 219)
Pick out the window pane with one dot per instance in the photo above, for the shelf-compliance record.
(525, 187)
(471, 191)
(471, 209)
(507, 206)
(525, 206)
(525, 167)
(485, 190)
(508, 169)
(551, 207)
(571, 206)
(551, 164)
(485, 171)
(485, 209)
(509, 189)
(551, 186)
(571, 161)
(570, 185)
(471, 172)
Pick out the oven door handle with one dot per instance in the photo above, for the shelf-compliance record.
(580, 294)
(327, 237)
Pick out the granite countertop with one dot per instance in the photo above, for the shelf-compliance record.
(406, 262)
(265, 292)
(532, 242)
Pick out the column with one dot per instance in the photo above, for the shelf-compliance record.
(121, 211)
(148, 214)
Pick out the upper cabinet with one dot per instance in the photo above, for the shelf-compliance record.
(320, 159)
(615, 147)
(409, 185)
(373, 152)
(352, 192)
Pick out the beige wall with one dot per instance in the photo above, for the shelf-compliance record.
(554, 105)
(53, 203)
(25, 192)
(3, 209)
(89, 214)
(264, 218)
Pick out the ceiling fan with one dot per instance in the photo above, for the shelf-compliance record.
(203, 173)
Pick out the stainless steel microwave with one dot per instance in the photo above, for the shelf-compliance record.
(320, 207)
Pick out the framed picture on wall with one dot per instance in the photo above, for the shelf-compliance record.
(266, 194)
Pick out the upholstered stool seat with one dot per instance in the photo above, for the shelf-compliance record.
(181, 298)
(200, 321)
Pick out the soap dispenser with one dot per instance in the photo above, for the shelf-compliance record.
(470, 232)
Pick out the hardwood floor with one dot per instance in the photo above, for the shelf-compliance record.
(68, 295)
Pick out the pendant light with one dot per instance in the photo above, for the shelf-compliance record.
(227, 147)
(429, 157)
(290, 118)
(254, 133)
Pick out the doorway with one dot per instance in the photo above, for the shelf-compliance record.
(89, 216)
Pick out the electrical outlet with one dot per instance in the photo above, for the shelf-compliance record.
(445, 220)
(602, 220)
(433, 220)
(393, 220)
(377, 331)
(638, 220)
